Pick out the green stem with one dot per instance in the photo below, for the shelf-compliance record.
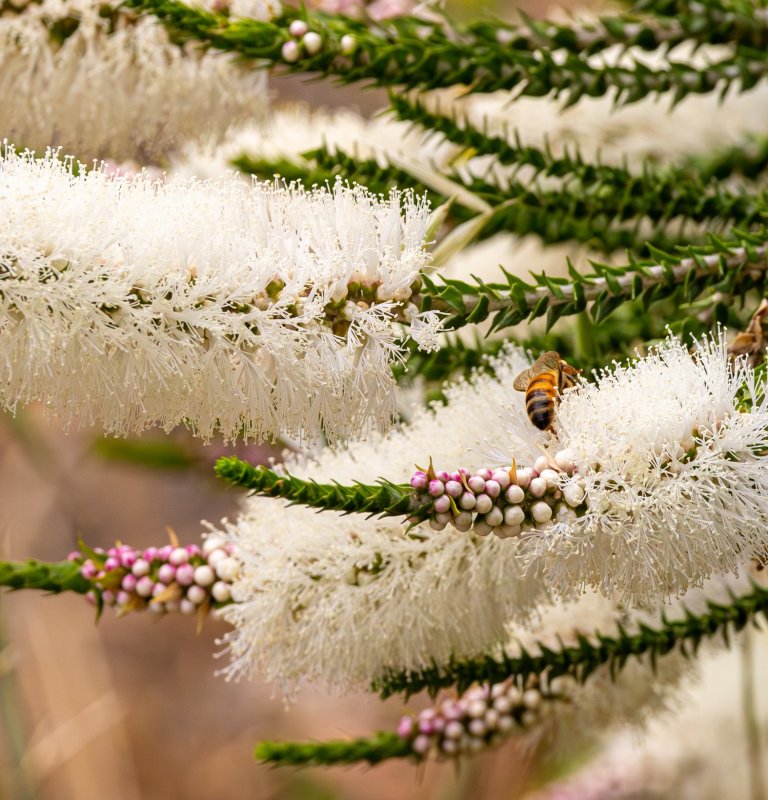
(589, 652)
(382, 746)
(384, 498)
(63, 576)
(417, 54)
(733, 267)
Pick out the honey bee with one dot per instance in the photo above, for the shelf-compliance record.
(543, 384)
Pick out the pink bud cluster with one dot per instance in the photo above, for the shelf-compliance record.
(506, 502)
(161, 579)
(481, 717)
(304, 42)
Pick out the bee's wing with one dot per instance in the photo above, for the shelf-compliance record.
(549, 360)
(523, 379)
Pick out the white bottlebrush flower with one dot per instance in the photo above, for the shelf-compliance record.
(674, 474)
(244, 309)
(103, 83)
(676, 491)
(342, 599)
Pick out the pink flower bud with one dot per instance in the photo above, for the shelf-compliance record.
(88, 570)
(501, 477)
(436, 488)
(144, 586)
(129, 582)
(454, 488)
(179, 555)
(185, 575)
(111, 563)
(150, 554)
(476, 484)
(290, 51)
(166, 573)
(442, 504)
(419, 481)
(421, 744)
(405, 728)
(492, 489)
(297, 28)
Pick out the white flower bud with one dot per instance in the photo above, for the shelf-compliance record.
(551, 477)
(524, 477)
(221, 592)
(494, 517)
(514, 494)
(513, 515)
(140, 568)
(463, 522)
(507, 531)
(531, 698)
(502, 704)
(538, 487)
(484, 504)
(477, 708)
(187, 607)
(467, 501)
(573, 494)
(204, 575)
(228, 568)
(541, 512)
(196, 594)
(481, 528)
(477, 727)
(348, 44)
(436, 525)
(290, 51)
(565, 460)
(215, 556)
(212, 543)
(540, 464)
(313, 42)
(491, 718)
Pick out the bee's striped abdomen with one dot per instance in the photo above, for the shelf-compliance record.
(540, 399)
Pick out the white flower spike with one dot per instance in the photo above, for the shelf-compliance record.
(257, 309)
(103, 83)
